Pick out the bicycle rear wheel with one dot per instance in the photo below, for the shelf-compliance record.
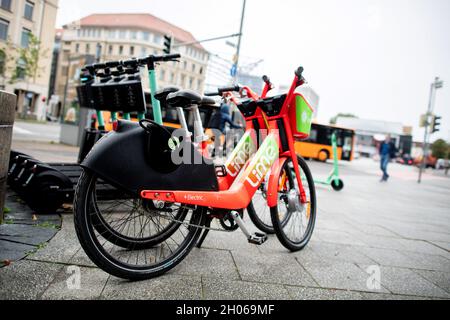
(135, 262)
(293, 221)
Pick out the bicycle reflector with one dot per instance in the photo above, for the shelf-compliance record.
(115, 126)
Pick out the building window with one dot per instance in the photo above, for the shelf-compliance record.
(143, 51)
(184, 65)
(122, 34)
(5, 4)
(88, 48)
(199, 84)
(193, 67)
(4, 29)
(162, 75)
(20, 69)
(172, 77)
(201, 70)
(2, 62)
(29, 8)
(25, 41)
(191, 83)
(146, 36)
(131, 50)
(110, 49)
(182, 80)
(121, 50)
(133, 35)
(112, 34)
(77, 48)
(157, 39)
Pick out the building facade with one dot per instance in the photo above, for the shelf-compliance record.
(122, 36)
(19, 18)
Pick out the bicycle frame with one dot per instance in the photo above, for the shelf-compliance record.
(239, 195)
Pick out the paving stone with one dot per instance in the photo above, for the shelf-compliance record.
(168, 287)
(26, 234)
(339, 252)
(224, 289)
(302, 293)
(26, 280)
(388, 257)
(429, 261)
(441, 279)
(384, 296)
(208, 262)
(14, 251)
(407, 282)
(338, 275)
(272, 268)
(62, 247)
(340, 237)
(81, 259)
(65, 286)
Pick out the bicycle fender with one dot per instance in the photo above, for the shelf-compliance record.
(272, 189)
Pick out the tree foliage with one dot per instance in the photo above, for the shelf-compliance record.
(342, 115)
(440, 149)
(27, 65)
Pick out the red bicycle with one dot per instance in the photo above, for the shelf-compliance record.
(196, 188)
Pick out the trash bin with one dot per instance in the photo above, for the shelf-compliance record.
(7, 112)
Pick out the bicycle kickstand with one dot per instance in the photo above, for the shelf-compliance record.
(205, 232)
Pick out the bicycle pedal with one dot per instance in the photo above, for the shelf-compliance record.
(258, 238)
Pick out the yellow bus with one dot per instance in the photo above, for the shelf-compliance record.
(318, 145)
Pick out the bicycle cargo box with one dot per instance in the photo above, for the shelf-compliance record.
(300, 114)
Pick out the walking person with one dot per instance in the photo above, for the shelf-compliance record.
(387, 152)
(219, 125)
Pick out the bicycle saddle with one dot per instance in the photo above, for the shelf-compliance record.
(162, 94)
(184, 99)
(208, 102)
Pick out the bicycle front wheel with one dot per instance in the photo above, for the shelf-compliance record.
(292, 220)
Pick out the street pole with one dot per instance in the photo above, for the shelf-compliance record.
(435, 85)
(238, 50)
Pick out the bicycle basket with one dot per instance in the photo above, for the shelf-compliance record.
(300, 114)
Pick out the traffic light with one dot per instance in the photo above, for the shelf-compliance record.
(167, 44)
(435, 124)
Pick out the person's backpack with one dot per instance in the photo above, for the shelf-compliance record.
(215, 121)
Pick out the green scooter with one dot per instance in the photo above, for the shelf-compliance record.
(333, 179)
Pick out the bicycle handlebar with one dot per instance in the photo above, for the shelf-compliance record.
(221, 91)
(132, 63)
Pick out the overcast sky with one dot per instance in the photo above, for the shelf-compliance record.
(373, 58)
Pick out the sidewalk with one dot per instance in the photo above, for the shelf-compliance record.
(399, 227)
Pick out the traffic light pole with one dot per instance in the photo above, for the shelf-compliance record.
(238, 50)
(425, 138)
(435, 85)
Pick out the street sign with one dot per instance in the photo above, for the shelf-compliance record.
(233, 71)
(423, 121)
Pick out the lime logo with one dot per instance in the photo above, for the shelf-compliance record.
(263, 161)
(174, 143)
(305, 117)
(240, 155)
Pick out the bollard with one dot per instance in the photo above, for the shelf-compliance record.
(7, 113)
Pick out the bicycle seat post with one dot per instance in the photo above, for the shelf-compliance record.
(199, 131)
(183, 122)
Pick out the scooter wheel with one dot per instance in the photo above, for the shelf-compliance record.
(337, 186)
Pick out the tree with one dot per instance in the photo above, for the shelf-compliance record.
(26, 66)
(440, 149)
(342, 115)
